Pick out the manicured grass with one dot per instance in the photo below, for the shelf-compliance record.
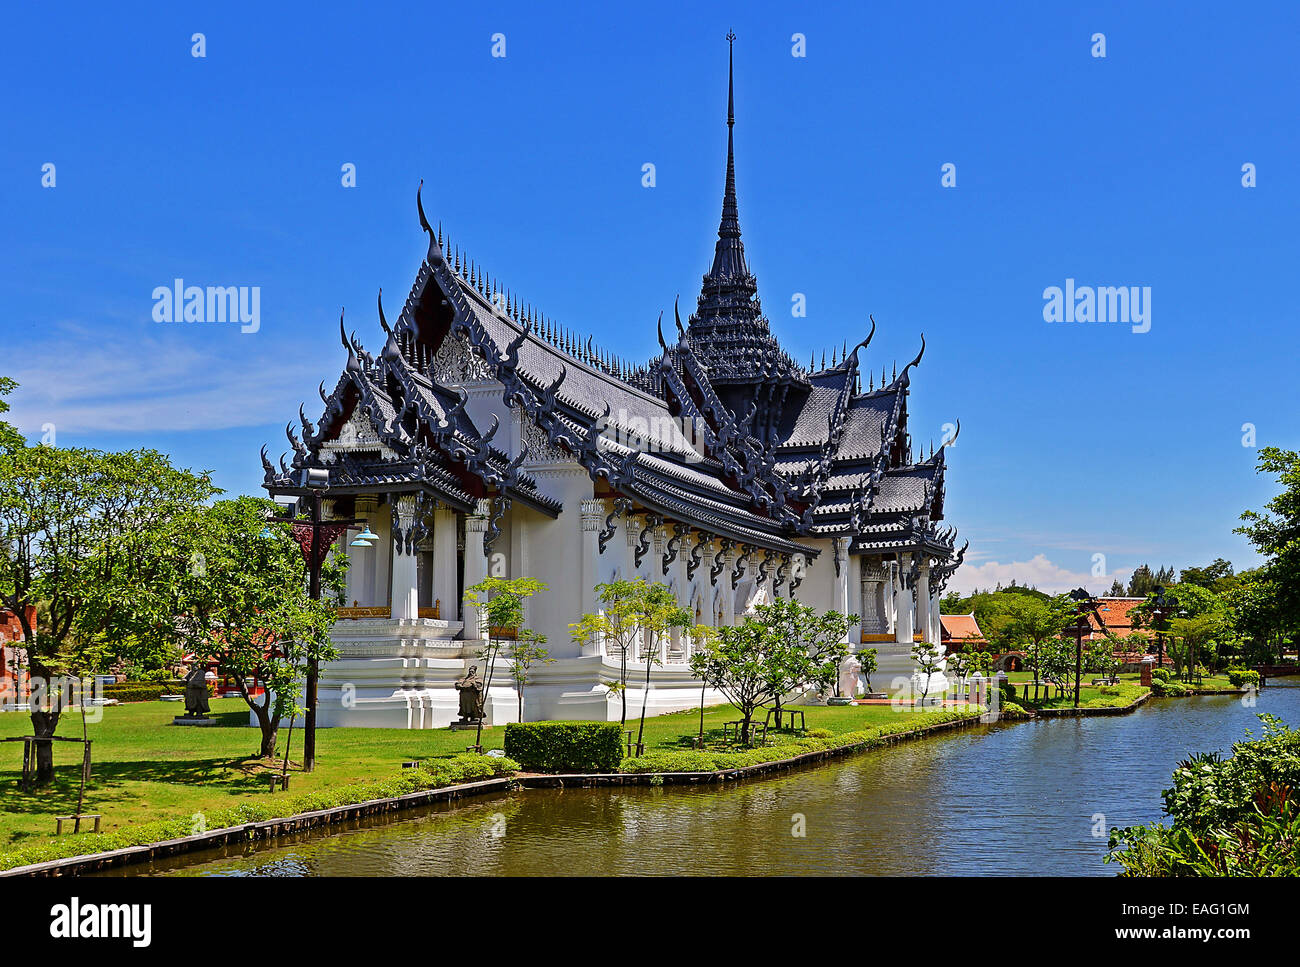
(145, 769)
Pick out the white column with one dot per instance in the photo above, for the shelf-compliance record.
(476, 563)
(726, 590)
(923, 603)
(904, 609)
(841, 598)
(406, 588)
(890, 596)
(593, 518)
(936, 626)
(444, 564)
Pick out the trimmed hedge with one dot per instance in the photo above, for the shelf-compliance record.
(1167, 689)
(436, 773)
(139, 693)
(694, 761)
(565, 746)
(1160, 675)
(1240, 677)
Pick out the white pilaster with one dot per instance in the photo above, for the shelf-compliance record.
(476, 562)
(923, 603)
(444, 564)
(406, 588)
(593, 518)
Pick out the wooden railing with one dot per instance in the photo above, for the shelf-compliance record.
(355, 612)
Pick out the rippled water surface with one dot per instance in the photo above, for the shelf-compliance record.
(1003, 799)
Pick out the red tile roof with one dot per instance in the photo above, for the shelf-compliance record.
(962, 628)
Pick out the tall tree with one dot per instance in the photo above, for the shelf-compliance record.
(77, 532)
(1275, 533)
(10, 438)
(1031, 624)
(614, 627)
(240, 599)
(500, 606)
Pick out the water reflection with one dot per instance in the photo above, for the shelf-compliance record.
(1003, 799)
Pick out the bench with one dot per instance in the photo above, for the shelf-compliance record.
(75, 819)
(738, 725)
(792, 713)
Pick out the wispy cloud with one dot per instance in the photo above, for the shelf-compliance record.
(1038, 572)
(82, 381)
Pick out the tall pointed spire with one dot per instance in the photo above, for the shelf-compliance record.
(729, 255)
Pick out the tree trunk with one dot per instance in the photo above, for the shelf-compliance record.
(622, 719)
(645, 697)
(744, 727)
(778, 713)
(43, 726)
(270, 726)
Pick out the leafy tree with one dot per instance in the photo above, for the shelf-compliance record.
(525, 652)
(1257, 615)
(869, 662)
(616, 626)
(78, 532)
(10, 438)
(1217, 576)
(781, 646)
(655, 612)
(1117, 590)
(952, 603)
(817, 646)
(500, 605)
(1275, 534)
(1053, 662)
(1144, 581)
(929, 659)
(240, 600)
(1194, 640)
(702, 637)
(1031, 624)
(1101, 656)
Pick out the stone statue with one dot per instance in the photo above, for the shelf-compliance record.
(471, 695)
(196, 693)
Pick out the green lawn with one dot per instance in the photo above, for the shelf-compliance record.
(145, 769)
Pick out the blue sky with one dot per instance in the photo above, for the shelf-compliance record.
(1077, 439)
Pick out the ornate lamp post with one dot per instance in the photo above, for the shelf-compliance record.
(1160, 611)
(315, 536)
(1081, 626)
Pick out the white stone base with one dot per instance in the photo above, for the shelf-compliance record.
(401, 674)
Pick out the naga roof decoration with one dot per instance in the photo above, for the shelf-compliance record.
(722, 430)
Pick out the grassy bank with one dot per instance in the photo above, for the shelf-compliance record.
(147, 771)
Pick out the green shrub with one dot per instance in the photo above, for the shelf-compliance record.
(1167, 689)
(1010, 710)
(1008, 692)
(139, 692)
(1231, 817)
(1160, 675)
(565, 746)
(819, 733)
(1240, 677)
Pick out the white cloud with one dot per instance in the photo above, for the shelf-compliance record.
(85, 382)
(1036, 572)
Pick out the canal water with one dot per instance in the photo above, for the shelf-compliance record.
(1022, 798)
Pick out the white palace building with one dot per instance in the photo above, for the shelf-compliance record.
(485, 439)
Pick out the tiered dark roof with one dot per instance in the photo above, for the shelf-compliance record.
(722, 431)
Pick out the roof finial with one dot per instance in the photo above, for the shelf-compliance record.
(729, 257)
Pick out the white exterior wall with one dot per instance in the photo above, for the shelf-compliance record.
(399, 672)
